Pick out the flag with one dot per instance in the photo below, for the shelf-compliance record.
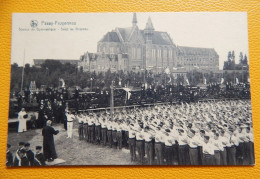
(248, 80)
(119, 83)
(145, 86)
(170, 80)
(204, 81)
(187, 80)
(61, 83)
(167, 71)
(128, 92)
(222, 81)
(237, 81)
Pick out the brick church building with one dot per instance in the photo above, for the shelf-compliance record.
(133, 49)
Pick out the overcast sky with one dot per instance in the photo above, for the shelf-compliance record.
(223, 31)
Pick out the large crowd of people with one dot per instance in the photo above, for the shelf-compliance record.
(206, 133)
(189, 130)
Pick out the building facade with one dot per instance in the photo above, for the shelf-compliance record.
(133, 49)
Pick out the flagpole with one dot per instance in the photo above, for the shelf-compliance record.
(23, 71)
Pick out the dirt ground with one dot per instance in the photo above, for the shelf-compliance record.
(73, 151)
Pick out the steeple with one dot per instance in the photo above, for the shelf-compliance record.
(148, 31)
(134, 22)
(149, 24)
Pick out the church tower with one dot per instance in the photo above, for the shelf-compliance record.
(150, 63)
(134, 22)
(148, 31)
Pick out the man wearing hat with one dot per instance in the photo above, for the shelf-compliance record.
(17, 157)
(39, 159)
(22, 160)
(9, 157)
(29, 153)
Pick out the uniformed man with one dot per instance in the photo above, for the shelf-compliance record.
(70, 118)
(109, 134)
(119, 135)
(17, 158)
(158, 146)
(91, 128)
(39, 159)
(22, 160)
(193, 147)
(114, 133)
(132, 142)
(208, 152)
(9, 157)
(149, 149)
(183, 140)
(85, 127)
(231, 147)
(97, 130)
(104, 130)
(169, 142)
(81, 126)
(140, 144)
(29, 153)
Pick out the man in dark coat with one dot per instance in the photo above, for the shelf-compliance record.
(17, 158)
(48, 141)
(22, 160)
(9, 156)
(29, 153)
(39, 159)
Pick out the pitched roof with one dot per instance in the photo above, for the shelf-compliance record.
(125, 32)
(110, 37)
(160, 38)
(195, 51)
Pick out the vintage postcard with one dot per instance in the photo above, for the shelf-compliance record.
(130, 89)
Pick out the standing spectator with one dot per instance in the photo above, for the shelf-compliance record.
(22, 121)
(70, 118)
(48, 141)
(9, 157)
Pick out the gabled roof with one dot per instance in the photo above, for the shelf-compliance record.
(195, 51)
(125, 32)
(160, 38)
(110, 37)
